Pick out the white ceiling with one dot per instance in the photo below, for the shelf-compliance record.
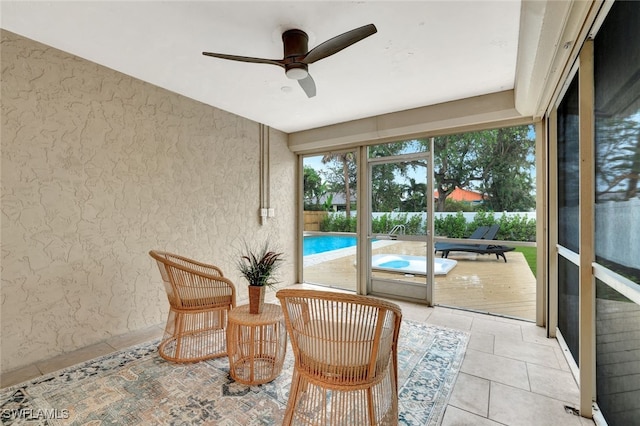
(424, 53)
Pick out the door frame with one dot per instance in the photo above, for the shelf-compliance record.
(365, 279)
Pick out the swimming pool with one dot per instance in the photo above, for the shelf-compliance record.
(314, 244)
(411, 264)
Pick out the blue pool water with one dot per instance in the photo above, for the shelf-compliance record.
(396, 264)
(315, 244)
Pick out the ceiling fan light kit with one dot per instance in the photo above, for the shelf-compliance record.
(297, 56)
(297, 73)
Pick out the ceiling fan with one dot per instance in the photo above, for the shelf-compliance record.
(297, 56)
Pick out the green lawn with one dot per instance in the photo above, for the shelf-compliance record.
(602, 291)
(530, 256)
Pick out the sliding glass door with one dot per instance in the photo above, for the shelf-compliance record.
(399, 228)
(330, 218)
(597, 266)
(568, 218)
(617, 214)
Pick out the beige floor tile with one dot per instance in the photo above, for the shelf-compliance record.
(534, 334)
(471, 394)
(457, 417)
(496, 328)
(553, 383)
(561, 356)
(525, 351)
(496, 368)
(446, 319)
(445, 310)
(72, 358)
(482, 342)
(467, 313)
(510, 320)
(515, 407)
(20, 375)
(414, 312)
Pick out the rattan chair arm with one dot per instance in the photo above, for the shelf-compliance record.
(194, 264)
(202, 281)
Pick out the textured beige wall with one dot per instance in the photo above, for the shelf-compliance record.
(97, 169)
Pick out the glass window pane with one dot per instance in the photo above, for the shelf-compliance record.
(412, 146)
(568, 169)
(617, 356)
(617, 210)
(482, 179)
(568, 216)
(568, 304)
(617, 124)
(489, 170)
(329, 242)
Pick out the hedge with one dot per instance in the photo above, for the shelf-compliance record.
(512, 227)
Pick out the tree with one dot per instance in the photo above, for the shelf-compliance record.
(345, 159)
(618, 159)
(498, 163)
(455, 164)
(386, 190)
(313, 188)
(415, 196)
(506, 160)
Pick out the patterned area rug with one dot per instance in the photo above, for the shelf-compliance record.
(137, 387)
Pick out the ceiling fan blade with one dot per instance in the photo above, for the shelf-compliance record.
(308, 85)
(337, 43)
(277, 62)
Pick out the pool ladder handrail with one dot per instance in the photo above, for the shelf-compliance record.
(393, 234)
(395, 229)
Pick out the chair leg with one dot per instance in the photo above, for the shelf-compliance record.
(169, 337)
(293, 399)
(371, 406)
(179, 333)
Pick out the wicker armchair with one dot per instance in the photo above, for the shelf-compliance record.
(200, 298)
(346, 360)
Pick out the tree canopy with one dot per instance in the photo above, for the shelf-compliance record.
(342, 179)
(618, 159)
(498, 163)
(314, 188)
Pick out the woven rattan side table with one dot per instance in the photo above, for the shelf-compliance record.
(256, 344)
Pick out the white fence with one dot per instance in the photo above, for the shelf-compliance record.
(617, 227)
(618, 231)
(467, 215)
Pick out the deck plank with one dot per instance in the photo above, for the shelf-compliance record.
(477, 282)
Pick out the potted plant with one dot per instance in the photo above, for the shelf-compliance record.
(258, 267)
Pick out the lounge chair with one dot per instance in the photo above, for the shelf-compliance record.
(489, 234)
(478, 234)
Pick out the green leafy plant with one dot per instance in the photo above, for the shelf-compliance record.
(259, 266)
(328, 203)
(512, 228)
(452, 226)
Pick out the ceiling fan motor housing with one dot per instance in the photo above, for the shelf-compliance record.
(295, 48)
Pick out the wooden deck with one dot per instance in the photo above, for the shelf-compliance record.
(477, 282)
